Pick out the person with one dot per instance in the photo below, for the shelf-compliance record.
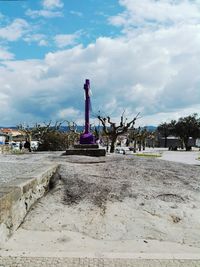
(20, 145)
(27, 145)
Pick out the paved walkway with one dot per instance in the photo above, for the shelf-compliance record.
(23, 165)
(182, 156)
(189, 157)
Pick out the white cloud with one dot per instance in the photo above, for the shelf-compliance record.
(154, 72)
(43, 13)
(52, 4)
(63, 40)
(40, 39)
(153, 13)
(50, 10)
(43, 43)
(5, 54)
(68, 113)
(15, 30)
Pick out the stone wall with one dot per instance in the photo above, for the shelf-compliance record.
(17, 197)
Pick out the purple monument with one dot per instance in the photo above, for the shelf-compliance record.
(87, 146)
(87, 137)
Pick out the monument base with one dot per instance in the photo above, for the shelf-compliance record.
(87, 138)
(91, 150)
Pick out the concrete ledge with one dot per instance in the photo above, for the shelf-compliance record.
(17, 197)
(86, 146)
(92, 152)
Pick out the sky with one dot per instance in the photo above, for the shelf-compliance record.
(140, 56)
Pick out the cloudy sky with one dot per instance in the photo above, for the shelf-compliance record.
(140, 56)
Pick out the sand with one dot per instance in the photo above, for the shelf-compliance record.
(117, 204)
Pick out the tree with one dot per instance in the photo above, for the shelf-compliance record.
(187, 127)
(26, 131)
(113, 131)
(165, 130)
(50, 136)
(139, 136)
(152, 138)
(72, 135)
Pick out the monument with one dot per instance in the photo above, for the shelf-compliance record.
(87, 145)
(87, 137)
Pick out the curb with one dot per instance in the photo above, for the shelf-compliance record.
(18, 196)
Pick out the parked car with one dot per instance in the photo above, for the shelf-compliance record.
(120, 150)
(34, 145)
(15, 145)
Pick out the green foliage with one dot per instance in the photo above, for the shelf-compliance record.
(53, 141)
(17, 152)
(184, 128)
(187, 127)
(50, 137)
(165, 129)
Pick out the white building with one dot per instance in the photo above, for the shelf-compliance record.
(2, 138)
(198, 142)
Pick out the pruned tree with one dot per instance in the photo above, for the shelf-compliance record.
(139, 135)
(152, 137)
(112, 130)
(72, 134)
(25, 130)
(143, 136)
(49, 135)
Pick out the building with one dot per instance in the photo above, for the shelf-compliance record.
(3, 137)
(173, 142)
(13, 134)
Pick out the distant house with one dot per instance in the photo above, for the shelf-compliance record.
(173, 141)
(198, 142)
(12, 134)
(2, 138)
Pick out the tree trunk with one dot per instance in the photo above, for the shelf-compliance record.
(165, 141)
(139, 145)
(143, 144)
(135, 146)
(187, 148)
(107, 144)
(112, 146)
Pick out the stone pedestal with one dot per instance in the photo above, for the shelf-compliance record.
(87, 139)
(91, 150)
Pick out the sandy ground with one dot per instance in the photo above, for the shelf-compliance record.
(116, 204)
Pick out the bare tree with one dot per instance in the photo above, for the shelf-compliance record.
(72, 134)
(49, 135)
(25, 130)
(112, 130)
